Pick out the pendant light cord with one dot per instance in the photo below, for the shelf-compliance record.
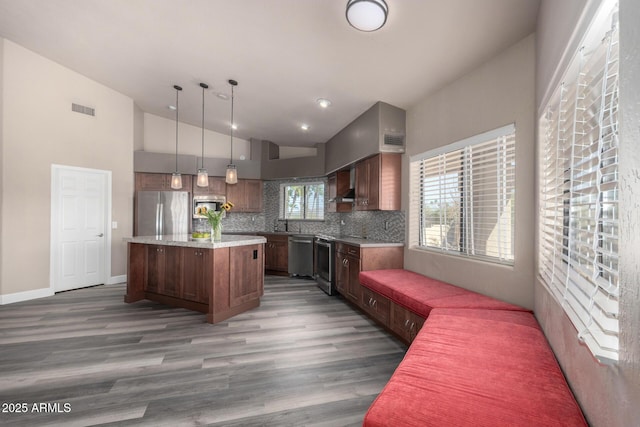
(203, 87)
(232, 85)
(178, 89)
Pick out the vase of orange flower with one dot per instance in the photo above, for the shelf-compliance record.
(215, 220)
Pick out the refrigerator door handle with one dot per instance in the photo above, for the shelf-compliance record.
(161, 219)
(157, 219)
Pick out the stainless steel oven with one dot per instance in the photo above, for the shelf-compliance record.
(324, 265)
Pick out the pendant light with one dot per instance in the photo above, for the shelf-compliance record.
(176, 178)
(203, 176)
(232, 173)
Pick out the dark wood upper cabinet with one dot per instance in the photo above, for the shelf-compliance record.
(246, 195)
(378, 182)
(159, 182)
(216, 186)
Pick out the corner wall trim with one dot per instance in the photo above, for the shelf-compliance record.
(25, 296)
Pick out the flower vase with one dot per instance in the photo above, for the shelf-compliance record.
(216, 232)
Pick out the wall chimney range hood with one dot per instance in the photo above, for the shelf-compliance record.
(348, 196)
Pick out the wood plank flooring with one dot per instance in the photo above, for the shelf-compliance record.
(301, 359)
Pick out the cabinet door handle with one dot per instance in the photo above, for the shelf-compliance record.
(406, 323)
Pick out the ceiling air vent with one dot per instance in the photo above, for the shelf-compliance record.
(392, 142)
(83, 110)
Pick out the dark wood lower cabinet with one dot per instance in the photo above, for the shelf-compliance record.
(197, 271)
(276, 254)
(221, 282)
(163, 273)
(376, 306)
(403, 322)
(350, 260)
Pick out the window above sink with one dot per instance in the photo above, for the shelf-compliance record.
(302, 201)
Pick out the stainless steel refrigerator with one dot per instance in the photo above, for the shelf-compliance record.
(162, 213)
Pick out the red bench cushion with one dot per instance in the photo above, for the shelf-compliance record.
(420, 294)
(475, 368)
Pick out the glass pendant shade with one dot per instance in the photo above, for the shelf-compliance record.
(176, 178)
(203, 178)
(232, 174)
(176, 181)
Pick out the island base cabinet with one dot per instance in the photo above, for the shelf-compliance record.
(197, 271)
(238, 281)
(220, 282)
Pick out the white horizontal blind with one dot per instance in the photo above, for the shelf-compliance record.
(314, 201)
(463, 197)
(578, 250)
(302, 201)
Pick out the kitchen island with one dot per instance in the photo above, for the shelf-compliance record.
(221, 279)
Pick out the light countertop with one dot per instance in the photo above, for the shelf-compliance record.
(228, 240)
(367, 243)
(351, 240)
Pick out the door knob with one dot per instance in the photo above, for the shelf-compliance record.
(100, 235)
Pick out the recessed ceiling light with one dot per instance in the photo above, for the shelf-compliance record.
(324, 103)
(304, 127)
(222, 96)
(172, 107)
(234, 126)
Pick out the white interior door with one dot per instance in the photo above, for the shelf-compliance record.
(78, 227)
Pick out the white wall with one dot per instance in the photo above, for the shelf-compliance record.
(495, 94)
(2, 155)
(609, 395)
(160, 137)
(39, 129)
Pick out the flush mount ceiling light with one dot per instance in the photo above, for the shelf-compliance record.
(176, 178)
(222, 96)
(367, 15)
(324, 103)
(203, 176)
(231, 176)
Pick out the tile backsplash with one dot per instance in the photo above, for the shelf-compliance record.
(377, 225)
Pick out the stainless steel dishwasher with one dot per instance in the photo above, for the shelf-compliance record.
(301, 255)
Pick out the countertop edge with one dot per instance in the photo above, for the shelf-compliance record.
(228, 240)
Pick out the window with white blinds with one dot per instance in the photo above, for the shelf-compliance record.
(578, 170)
(302, 201)
(462, 197)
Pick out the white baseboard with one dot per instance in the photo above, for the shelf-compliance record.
(117, 279)
(47, 292)
(25, 296)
